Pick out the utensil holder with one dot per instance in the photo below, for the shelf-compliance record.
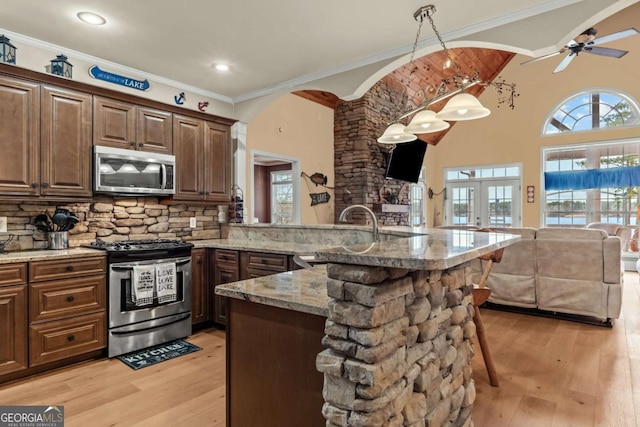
(58, 239)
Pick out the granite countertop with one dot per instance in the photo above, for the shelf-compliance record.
(48, 254)
(439, 249)
(306, 290)
(268, 246)
(299, 290)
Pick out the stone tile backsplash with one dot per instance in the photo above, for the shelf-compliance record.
(111, 219)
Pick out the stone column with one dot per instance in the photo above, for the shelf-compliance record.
(399, 347)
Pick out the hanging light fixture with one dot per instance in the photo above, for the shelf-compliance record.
(461, 106)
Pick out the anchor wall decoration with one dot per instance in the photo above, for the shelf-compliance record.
(202, 106)
(179, 99)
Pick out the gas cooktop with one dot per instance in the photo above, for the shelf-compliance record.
(140, 245)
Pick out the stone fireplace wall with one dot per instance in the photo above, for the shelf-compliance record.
(399, 347)
(110, 219)
(359, 161)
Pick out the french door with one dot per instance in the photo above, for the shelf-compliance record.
(484, 203)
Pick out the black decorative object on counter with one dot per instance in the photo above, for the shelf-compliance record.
(236, 210)
(61, 220)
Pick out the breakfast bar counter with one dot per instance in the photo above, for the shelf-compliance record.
(380, 335)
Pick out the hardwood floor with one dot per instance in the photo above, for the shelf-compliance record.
(186, 391)
(561, 373)
(552, 373)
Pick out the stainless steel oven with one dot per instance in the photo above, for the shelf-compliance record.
(133, 326)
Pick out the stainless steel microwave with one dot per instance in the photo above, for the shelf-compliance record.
(132, 172)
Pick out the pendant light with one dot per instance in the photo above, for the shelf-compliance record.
(463, 106)
(426, 121)
(395, 134)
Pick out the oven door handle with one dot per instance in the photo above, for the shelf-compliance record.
(153, 324)
(122, 266)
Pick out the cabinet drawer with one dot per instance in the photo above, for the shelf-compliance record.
(13, 274)
(262, 261)
(64, 268)
(226, 256)
(61, 339)
(63, 298)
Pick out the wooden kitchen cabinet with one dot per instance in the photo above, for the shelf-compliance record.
(13, 318)
(67, 308)
(258, 264)
(123, 125)
(45, 140)
(19, 137)
(226, 266)
(65, 143)
(199, 287)
(203, 160)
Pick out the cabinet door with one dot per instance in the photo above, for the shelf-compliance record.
(217, 162)
(19, 138)
(188, 147)
(65, 144)
(154, 130)
(13, 328)
(224, 274)
(114, 123)
(199, 287)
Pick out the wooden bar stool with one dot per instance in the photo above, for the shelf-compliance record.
(480, 294)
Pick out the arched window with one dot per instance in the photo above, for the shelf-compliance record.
(592, 110)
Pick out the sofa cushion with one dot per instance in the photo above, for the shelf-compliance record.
(570, 253)
(584, 297)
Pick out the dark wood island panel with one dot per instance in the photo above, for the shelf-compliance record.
(271, 359)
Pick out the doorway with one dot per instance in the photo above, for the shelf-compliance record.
(275, 188)
(484, 203)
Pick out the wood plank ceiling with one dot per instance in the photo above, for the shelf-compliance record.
(428, 70)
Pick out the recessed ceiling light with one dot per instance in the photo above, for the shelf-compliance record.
(222, 67)
(91, 18)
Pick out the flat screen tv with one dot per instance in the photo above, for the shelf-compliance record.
(405, 161)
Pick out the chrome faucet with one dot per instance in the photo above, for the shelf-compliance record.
(374, 220)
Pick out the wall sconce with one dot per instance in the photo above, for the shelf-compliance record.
(531, 193)
(7, 50)
(61, 67)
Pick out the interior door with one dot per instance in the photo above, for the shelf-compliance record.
(484, 203)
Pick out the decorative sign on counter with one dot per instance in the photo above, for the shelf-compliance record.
(106, 76)
(317, 198)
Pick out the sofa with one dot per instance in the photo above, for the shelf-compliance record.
(574, 271)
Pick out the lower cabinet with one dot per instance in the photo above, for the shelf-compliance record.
(199, 285)
(13, 328)
(50, 311)
(226, 270)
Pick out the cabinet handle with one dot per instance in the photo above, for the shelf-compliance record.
(70, 298)
(132, 144)
(34, 185)
(199, 261)
(45, 185)
(70, 338)
(140, 144)
(69, 268)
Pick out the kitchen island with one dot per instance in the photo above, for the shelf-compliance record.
(381, 335)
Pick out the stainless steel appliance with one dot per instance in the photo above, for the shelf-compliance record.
(131, 172)
(133, 327)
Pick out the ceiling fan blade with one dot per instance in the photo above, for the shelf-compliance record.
(606, 51)
(565, 62)
(615, 36)
(540, 57)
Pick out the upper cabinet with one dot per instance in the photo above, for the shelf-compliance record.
(19, 137)
(65, 143)
(123, 125)
(45, 140)
(203, 159)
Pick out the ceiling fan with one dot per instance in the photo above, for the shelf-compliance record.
(587, 42)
